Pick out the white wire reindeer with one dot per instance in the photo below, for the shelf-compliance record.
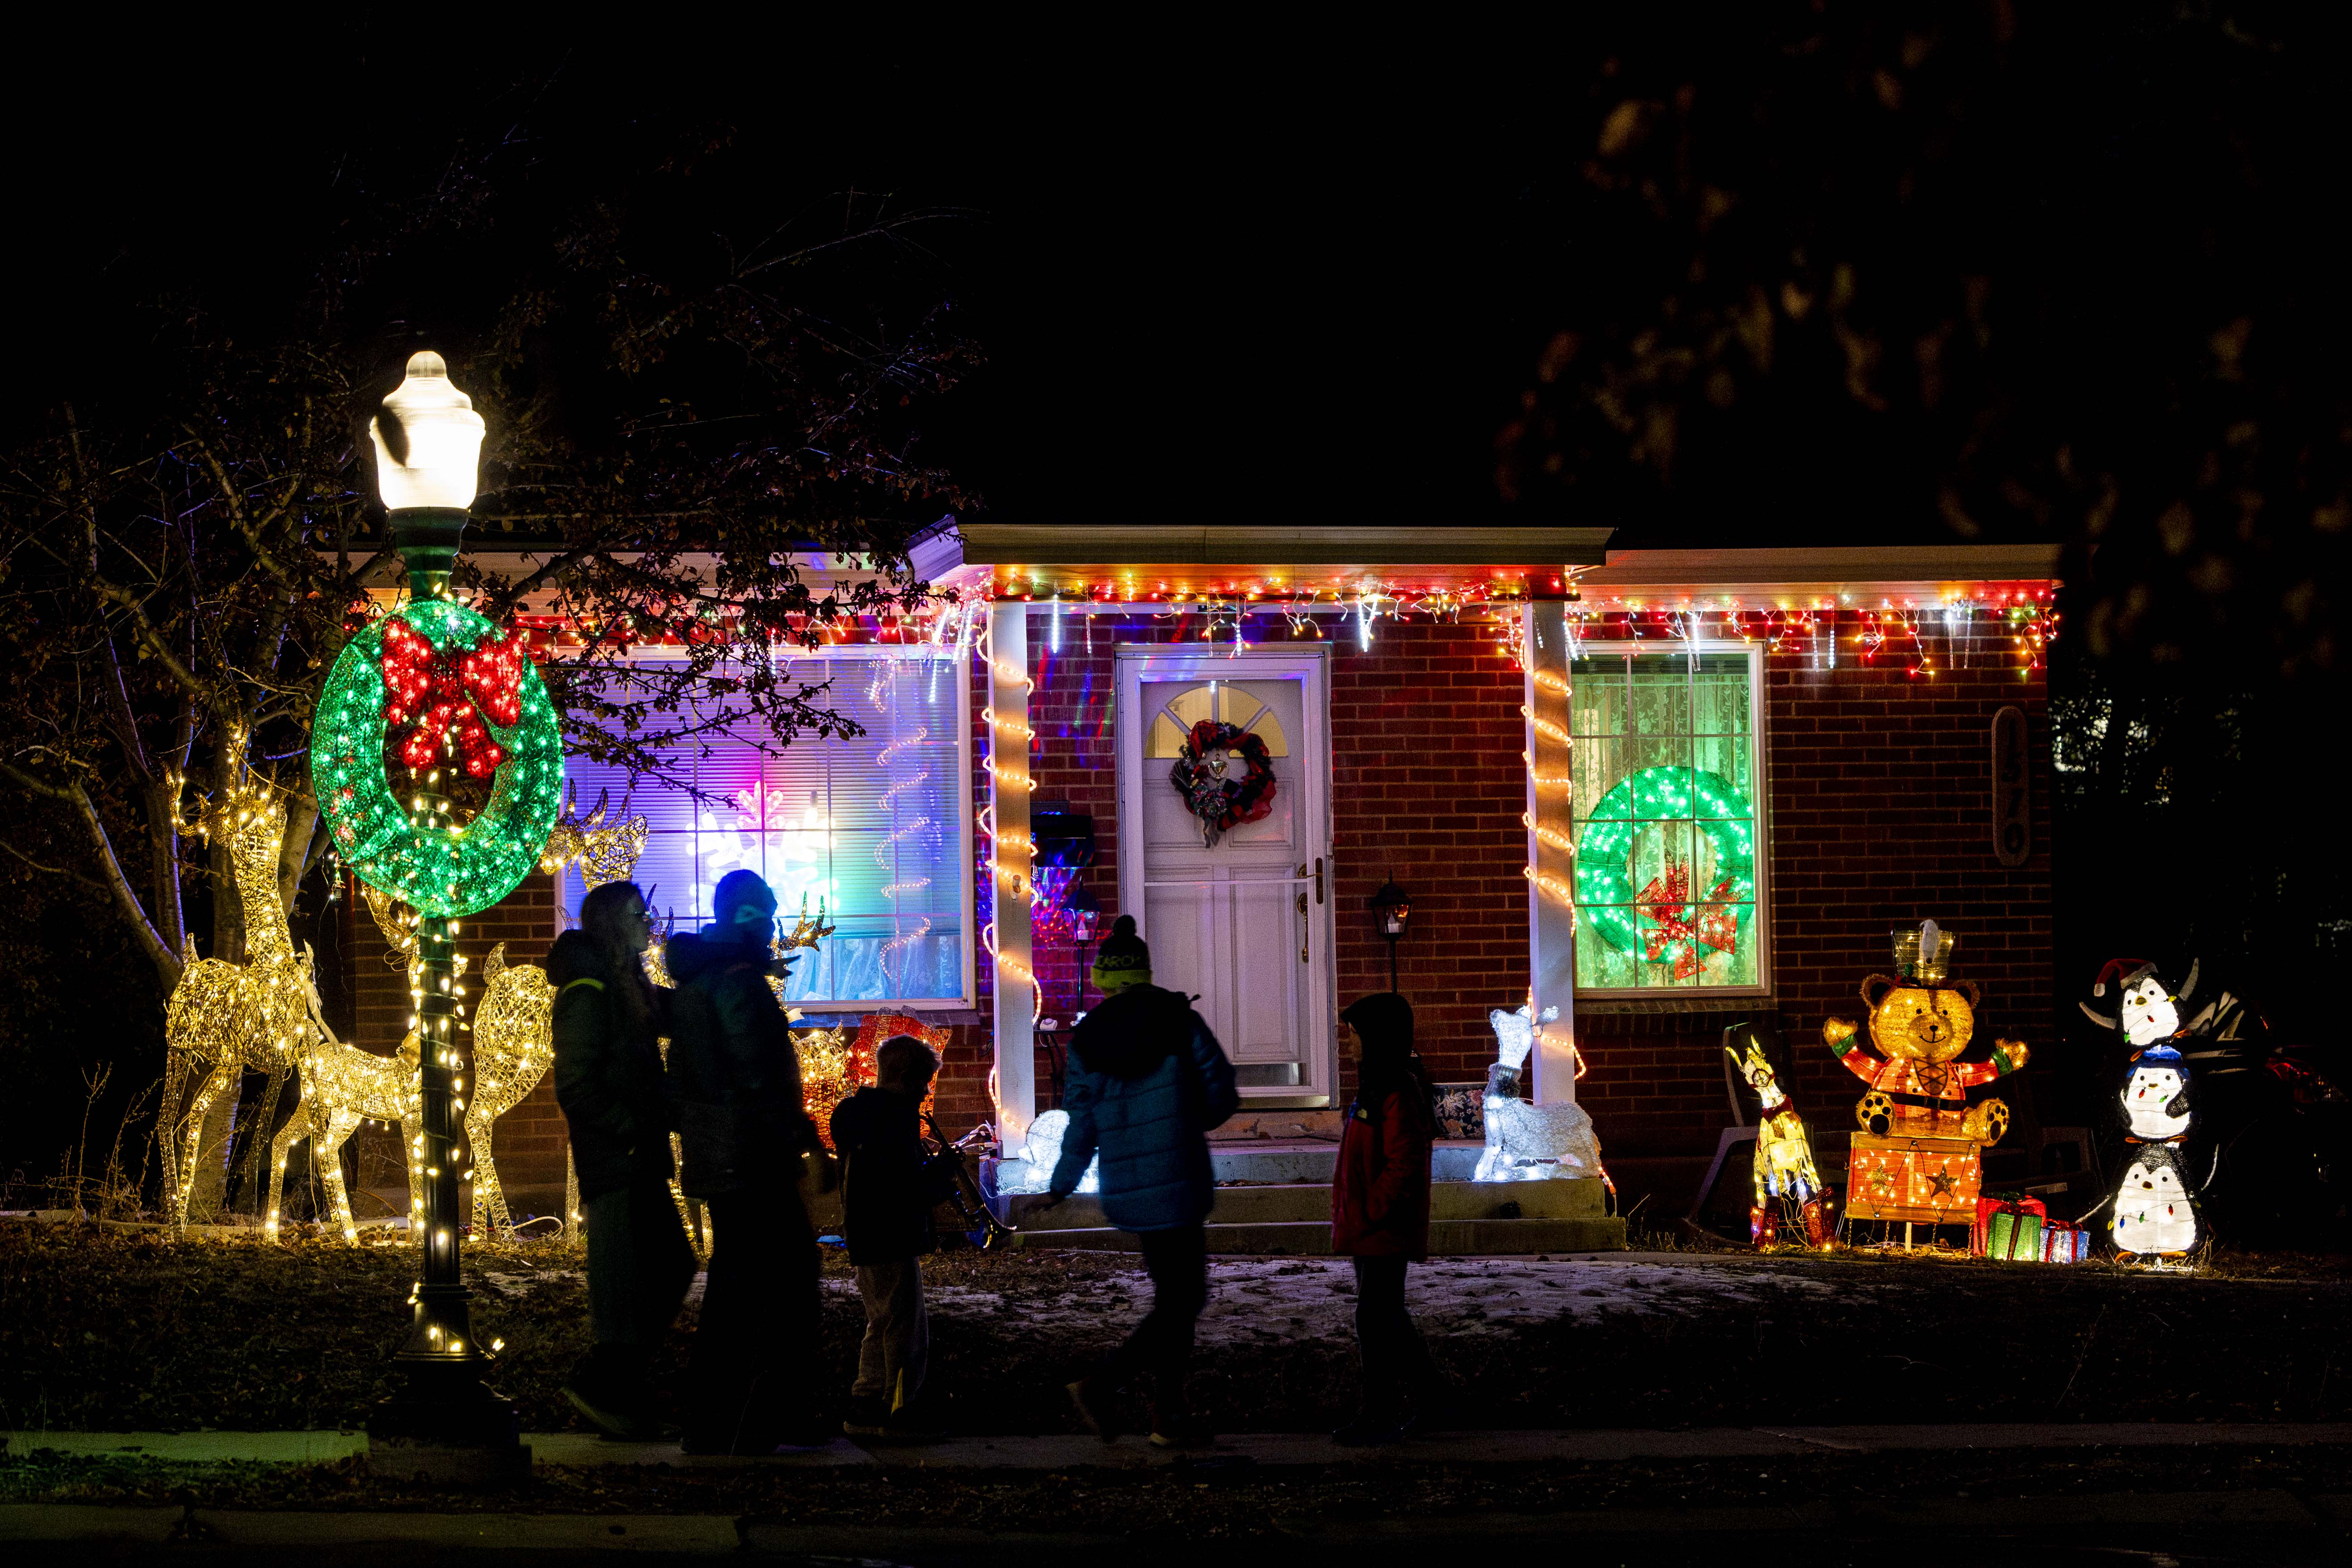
(1525, 1142)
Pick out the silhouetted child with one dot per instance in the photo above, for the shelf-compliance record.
(889, 1186)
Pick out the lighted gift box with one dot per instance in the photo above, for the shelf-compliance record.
(2014, 1248)
(2062, 1242)
(1920, 1180)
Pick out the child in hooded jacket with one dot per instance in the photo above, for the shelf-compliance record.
(1380, 1216)
(890, 1184)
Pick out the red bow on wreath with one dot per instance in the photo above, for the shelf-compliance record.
(445, 691)
(1200, 777)
(1678, 937)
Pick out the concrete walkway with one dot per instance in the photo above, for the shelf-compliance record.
(2265, 1520)
(1260, 1448)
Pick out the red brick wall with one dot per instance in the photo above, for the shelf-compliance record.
(1428, 788)
(1881, 792)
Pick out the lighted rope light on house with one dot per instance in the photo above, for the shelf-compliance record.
(1004, 878)
(1547, 834)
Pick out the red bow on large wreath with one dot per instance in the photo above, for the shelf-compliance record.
(1678, 937)
(1200, 776)
(450, 690)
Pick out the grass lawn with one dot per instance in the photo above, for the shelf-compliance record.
(115, 1331)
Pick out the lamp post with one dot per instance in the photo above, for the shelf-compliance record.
(1391, 911)
(446, 1424)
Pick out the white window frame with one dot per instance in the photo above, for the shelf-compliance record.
(959, 792)
(1760, 798)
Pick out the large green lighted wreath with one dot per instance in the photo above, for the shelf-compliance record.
(438, 870)
(1606, 898)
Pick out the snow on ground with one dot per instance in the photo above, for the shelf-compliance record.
(1269, 1301)
(1289, 1299)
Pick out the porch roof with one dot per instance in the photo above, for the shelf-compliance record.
(1810, 577)
(1084, 560)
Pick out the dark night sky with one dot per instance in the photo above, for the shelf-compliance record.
(1301, 299)
(1259, 283)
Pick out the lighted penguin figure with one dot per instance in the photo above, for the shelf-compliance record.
(2155, 1211)
(2156, 1096)
(2156, 1214)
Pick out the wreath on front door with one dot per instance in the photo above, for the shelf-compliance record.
(1204, 776)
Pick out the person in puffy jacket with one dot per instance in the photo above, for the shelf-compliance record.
(1147, 1081)
(1379, 1213)
(735, 1092)
(889, 1185)
(608, 1081)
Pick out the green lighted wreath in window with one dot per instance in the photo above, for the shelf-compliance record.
(1649, 920)
(473, 703)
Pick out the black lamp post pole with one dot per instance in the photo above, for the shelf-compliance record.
(446, 1424)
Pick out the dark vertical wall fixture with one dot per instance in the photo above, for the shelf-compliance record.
(2012, 789)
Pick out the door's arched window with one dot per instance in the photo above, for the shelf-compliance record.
(1223, 701)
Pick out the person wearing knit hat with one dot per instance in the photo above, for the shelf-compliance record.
(1122, 959)
(1147, 1081)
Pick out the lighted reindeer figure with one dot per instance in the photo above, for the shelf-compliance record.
(603, 854)
(1525, 1142)
(1783, 1168)
(225, 1018)
(513, 1047)
(344, 1086)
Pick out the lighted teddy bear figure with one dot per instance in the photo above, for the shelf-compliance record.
(1525, 1142)
(1916, 1088)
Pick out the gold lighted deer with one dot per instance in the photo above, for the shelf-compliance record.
(513, 1040)
(225, 1018)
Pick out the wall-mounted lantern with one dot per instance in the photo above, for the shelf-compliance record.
(1392, 912)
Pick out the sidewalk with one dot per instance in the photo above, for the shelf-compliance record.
(1275, 1449)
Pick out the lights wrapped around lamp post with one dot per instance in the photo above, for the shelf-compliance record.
(437, 761)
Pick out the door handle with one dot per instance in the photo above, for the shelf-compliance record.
(1319, 879)
(1306, 928)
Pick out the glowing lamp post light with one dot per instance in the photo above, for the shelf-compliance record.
(1391, 911)
(437, 761)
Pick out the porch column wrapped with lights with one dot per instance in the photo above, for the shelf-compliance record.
(1013, 996)
(1551, 853)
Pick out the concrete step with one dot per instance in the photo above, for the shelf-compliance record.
(1311, 1202)
(1287, 1163)
(1304, 1238)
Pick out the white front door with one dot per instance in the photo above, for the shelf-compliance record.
(1243, 921)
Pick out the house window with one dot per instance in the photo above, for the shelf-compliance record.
(876, 828)
(1670, 854)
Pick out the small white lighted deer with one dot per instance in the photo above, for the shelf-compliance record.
(1525, 1142)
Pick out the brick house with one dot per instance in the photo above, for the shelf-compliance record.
(1791, 752)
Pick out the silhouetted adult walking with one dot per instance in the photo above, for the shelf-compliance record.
(735, 1088)
(608, 1080)
(1147, 1081)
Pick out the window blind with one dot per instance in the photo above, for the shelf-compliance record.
(871, 828)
